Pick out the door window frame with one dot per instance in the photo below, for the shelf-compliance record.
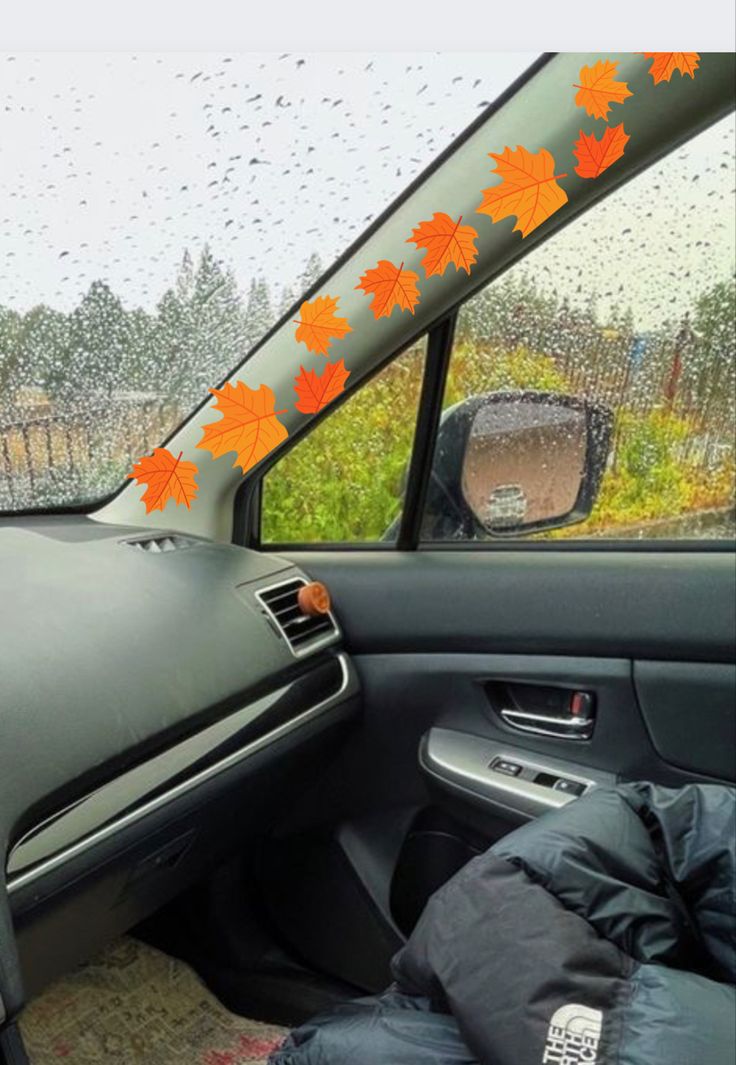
(440, 344)
(440, 340)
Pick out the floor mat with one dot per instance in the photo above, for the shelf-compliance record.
(134, 1004)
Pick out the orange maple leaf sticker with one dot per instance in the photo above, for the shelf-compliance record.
(315, 391)
(666, 63)
(167, 478)
(595, 156)
(391, 286)
(528, 190)
(446, 242)
(318, 324)
(249, 425)
(598, 88)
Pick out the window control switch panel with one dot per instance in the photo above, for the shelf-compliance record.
(532, 773)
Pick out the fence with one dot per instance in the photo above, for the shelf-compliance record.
(638, 375)
(64, 453)
(68, 454)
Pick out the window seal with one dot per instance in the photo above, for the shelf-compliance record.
(590, 545)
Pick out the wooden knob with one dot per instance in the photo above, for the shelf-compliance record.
(314, 599)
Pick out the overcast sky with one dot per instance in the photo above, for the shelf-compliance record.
(112, 164)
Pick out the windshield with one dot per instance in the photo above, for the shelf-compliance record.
(161, 212)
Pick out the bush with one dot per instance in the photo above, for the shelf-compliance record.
(648, 479)
(488, 368)
(344, 481)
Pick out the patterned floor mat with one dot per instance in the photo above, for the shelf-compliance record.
(135, 1004)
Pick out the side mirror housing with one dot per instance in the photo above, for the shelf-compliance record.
(514, 463)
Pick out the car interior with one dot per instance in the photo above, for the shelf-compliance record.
(261, 755)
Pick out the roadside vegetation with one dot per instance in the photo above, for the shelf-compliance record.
(672, 394)
(84, 393)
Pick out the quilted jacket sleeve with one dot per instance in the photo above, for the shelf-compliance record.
(591, 935)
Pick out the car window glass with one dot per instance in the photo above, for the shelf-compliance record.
(344, 482)
(159, 212)
(631, 309)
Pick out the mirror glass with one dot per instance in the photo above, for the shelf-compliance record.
(524, 462)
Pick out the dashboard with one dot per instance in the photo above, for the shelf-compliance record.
(162, 699)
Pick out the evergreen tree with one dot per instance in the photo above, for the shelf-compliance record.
(97, 344)
(201, 330)
(715, 315)
(311, 273)
(259, 313)
(43, 349)
(185, 279)
(710, 372)
(10, 332)
(142, 372)
(287, 301)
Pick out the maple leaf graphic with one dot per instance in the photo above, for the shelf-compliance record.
(595, 156)
(446, 242)
(598, 88)
(666, 63)
(315, 391)
(318, 324)
(167, 478)
(391, 286)
(528, 190)
(249, 425)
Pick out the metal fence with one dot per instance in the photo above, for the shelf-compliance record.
(66, 454)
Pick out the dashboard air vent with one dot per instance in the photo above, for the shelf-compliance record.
(303, 633)
(159, 545)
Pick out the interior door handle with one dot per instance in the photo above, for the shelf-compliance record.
(572, 727)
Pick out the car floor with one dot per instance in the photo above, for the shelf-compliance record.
(135, 1004)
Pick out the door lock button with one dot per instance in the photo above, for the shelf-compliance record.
(511, 769)
(570, 787)
(581, 705)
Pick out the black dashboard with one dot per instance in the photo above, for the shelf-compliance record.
(162, 698)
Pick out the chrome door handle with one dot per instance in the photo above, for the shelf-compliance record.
(565, 728)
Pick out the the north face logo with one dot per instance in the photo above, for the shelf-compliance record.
(573, 1037)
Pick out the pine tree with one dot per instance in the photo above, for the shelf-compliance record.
(287, 300)
(201, 330)
(259, 313)
(311, 272)
(43, 349)
(185, 279)
(97, 344)
(10, 332)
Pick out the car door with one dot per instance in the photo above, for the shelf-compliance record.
(506, 674)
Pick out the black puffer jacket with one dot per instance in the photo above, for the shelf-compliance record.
(601, 934)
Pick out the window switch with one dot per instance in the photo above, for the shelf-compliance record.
(570, 787)
(511, 769)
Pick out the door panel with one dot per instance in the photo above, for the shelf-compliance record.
(688, 709)
(647, 637)
(677, 606)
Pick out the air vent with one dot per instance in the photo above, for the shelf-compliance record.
(159, 545)
(303, 633)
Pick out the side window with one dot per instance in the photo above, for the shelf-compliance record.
(627, 313)
(344, 481)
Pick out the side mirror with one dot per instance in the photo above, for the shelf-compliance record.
(511, 463)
